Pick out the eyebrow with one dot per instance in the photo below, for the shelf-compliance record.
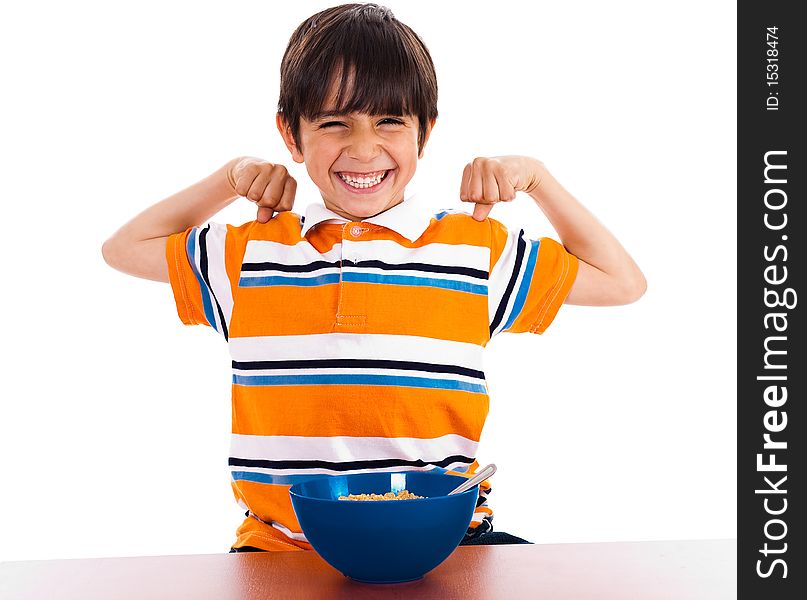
(335, 114)
(329, 114)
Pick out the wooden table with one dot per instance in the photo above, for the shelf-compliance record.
(679, 570)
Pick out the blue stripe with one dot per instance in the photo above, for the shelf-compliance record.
(524, 288)
(206, 303)
(440, 215)
(273, 479)
(280, 280)
(448, 284)
(359, 379)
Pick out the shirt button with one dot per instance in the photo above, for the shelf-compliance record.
(356, 231)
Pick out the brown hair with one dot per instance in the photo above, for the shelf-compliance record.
(391, 70)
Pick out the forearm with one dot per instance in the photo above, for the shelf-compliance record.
(617, 277)
(188, 208)
(138, 247)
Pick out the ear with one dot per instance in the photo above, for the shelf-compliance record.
(426, 137)
(288, 139)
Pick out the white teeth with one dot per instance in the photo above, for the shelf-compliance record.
(362, 182)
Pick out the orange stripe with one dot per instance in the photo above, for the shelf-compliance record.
(284, 310)
(267, 501)
(554, 275)
(357, 410)
(446, 314)
(254, 533)
(234, 247)
(293, 310)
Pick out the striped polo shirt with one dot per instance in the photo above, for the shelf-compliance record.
(357, 346)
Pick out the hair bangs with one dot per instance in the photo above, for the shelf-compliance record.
(380, 87)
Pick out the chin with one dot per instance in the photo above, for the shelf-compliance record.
(366, 211)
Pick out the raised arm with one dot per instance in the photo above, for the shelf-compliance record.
(138, 248)
(607, 274)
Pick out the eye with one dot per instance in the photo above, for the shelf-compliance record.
(390, 121)
(331, 124)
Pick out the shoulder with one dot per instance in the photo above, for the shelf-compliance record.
(463, 224)
(284, 227)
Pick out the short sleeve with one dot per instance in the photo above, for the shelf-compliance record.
(528, 282)
(198, 275)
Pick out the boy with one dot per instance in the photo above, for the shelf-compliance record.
(356, 332)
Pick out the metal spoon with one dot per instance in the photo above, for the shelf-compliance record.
(480, 476)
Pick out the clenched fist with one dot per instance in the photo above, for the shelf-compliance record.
(486, 181)
(266, 184)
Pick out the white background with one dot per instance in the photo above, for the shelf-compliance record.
(616, 424)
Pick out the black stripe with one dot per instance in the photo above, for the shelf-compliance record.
(510, 284)
(321, 264)
(416, 266)
(272, 266)
(358, 363)
(344, 466)
(203, 267)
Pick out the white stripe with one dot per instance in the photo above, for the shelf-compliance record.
(500, 277)
(455, 255)
(362, 371)
(217, 272)
(349, 448)
(300, 253)
(513, 293)
(419, 274)
(288, 532)
(280, 527)
(357, 345)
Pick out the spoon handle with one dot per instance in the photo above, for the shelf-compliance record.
(480, 476)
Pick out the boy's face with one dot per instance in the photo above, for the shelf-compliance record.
(361, 163)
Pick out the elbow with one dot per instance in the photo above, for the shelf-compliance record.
(633, 289)
(111, 253)
(106, 252)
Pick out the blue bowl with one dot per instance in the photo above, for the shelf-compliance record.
(384, 541)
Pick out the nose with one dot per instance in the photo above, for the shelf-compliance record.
(363, 145)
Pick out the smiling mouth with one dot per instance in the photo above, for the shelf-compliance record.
(363, 181)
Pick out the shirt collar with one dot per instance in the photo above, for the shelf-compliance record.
(409, 218)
